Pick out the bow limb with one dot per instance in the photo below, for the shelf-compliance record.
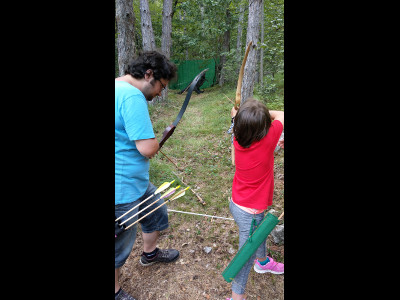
(240, 79)
(239, 94)
(171, 128)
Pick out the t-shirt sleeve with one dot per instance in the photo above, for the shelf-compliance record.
(136, 117)
(276, 131)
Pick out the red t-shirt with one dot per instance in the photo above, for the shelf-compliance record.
(253, 182)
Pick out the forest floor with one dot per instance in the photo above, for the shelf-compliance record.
(197, 274)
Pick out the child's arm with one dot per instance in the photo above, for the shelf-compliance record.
(277, 115)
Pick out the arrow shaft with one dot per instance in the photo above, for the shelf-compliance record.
(146, 215)
(134, 207)
(151, 204)
(173, 198)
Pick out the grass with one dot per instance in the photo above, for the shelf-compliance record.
(200, 147)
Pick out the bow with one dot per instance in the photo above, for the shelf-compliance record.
(170, 129)
(240, 79)
(239, 95)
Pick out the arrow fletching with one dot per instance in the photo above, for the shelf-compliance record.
(169, 192)
(179, 194)
(163, 187)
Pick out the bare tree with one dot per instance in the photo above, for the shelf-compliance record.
(253, 33)
(146, 26)
(239, 37)
(166, 37)
(262, 49)
(166, 28)
(125, 19)
(225, 45)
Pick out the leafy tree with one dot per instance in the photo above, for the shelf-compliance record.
(198, 28)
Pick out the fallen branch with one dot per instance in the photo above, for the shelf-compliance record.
(171, 161)
(198, 197)
(229, 99)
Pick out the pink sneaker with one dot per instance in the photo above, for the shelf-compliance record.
(271, 267)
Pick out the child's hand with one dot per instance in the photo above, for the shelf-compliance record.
(281, 143)
(233, 112)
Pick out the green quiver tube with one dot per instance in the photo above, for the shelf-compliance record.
(253, 242)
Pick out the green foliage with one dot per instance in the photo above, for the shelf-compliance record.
(198, 27)
(196, 34)
(272, 91)
(269, 88)
(231, 67)
(273, 37)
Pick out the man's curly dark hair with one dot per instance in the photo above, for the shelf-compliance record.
(159, 63)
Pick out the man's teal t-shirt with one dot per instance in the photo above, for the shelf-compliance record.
(132, 122)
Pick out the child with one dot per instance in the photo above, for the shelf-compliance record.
(256, 133)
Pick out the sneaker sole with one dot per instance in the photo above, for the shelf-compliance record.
(266, 271)
(154, 262)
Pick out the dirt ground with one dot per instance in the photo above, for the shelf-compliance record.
(197, 274)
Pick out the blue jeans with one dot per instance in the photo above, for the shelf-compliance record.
(156, 221)
(243, 220)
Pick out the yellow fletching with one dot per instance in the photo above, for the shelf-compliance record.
(179, 194)
(164, 186)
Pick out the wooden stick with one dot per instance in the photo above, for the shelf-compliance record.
(280, 217)
(171, 161)
(198, 197)
(229, 99)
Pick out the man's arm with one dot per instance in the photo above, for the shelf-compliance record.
(148, 147)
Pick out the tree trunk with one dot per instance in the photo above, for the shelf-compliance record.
(225, 47)
(262, 49)
(146, 26)
(239, 38)
(253, 33)
(125, 20)
(166, 38)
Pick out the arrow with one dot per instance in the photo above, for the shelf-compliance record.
(161, 188)
(178, 195)
(165, 195)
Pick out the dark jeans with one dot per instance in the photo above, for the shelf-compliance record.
(156, 221)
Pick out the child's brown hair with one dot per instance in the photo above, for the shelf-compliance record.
(252, 122)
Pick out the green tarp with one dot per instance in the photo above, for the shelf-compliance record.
(188, 69)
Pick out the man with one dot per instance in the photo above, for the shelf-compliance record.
(135, 143)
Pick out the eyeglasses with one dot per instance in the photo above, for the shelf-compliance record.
(163, 86)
